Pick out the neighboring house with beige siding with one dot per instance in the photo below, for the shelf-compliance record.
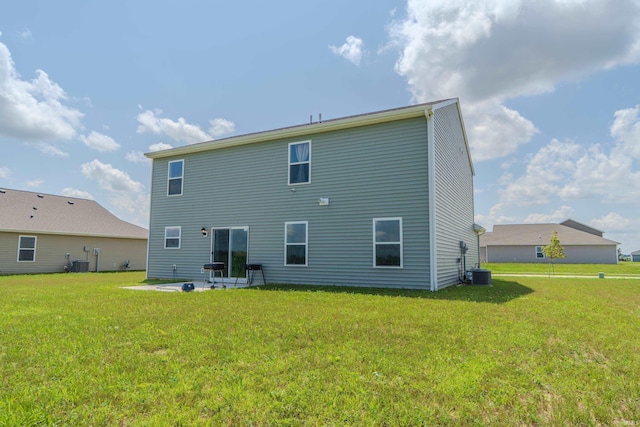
(380, 199)
(522, 243)
(43, 233)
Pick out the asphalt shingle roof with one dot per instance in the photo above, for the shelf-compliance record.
(24, 211)
(539, 235)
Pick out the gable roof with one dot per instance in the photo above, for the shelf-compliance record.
(636, 252)
(413, 111)
(28, 212)
(580, 226)
(539, 235)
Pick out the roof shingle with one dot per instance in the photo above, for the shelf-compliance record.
(24, 211)
(539, 235)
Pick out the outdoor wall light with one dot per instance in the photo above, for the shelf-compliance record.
(203, 231)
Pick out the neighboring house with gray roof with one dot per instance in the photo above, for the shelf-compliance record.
(43, 233)
(635, 256)
(523, 243)
(380, 199)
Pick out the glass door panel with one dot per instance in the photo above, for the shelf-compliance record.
(221, 248)
(238, 252)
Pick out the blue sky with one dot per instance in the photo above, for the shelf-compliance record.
(550, 91)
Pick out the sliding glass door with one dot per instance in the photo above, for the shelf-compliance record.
(230, 246)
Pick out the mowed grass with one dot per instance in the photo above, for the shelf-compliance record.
(631, 269)
(77, 349)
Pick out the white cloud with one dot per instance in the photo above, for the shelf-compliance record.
(125, 194)
(135, 205)
(571, 171)
(496, 216)
(615, 222)
(5, 172)
(75, 193)
(560, 215)
(159, 146)
(99, 142)
(139, 157)
(51, 150)
(136, 157)
(35, 183)
(181, 131)
(543, 176)
(495, 130)
(26, 33)
(619, 228)
(486, 52)
(221, 127)
(33, 110)
(351, 50)
(110, 178)
(626, 129)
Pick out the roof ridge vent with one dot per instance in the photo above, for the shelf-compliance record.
(2, 191)
(70, 202)
(40, 196)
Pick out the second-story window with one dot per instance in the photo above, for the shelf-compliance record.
(176, 173)
(300, 163)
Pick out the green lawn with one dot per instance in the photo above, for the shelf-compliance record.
(621, 269)
(77, 349)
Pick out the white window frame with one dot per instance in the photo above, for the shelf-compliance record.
(539, 252)
(376, 243)
(166, 229)
(305, 244)
(290, 163)
(169, 178)
(20, 248)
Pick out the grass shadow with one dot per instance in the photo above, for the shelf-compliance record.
(500, 292)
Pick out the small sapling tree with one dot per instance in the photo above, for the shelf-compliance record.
(553, 251)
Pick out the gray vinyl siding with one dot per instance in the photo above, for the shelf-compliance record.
(575, 254)
(51, 253)
(453, 197)
(368, 172)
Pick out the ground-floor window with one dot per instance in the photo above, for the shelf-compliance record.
(539, 252)
(387, 242)
(27, 248)
(172, 237)
(295, 243)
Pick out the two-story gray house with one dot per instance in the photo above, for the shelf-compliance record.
(383, 199)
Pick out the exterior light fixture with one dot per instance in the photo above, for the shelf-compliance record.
(204, 232)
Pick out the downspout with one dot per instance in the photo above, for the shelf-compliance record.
(431, 170)
(479, 230)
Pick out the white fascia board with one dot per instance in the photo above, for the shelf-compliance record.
(300, 130)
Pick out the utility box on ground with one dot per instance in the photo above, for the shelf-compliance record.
(80, 266)
(481, 277)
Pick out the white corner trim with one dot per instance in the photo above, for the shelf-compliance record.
(431, 160)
